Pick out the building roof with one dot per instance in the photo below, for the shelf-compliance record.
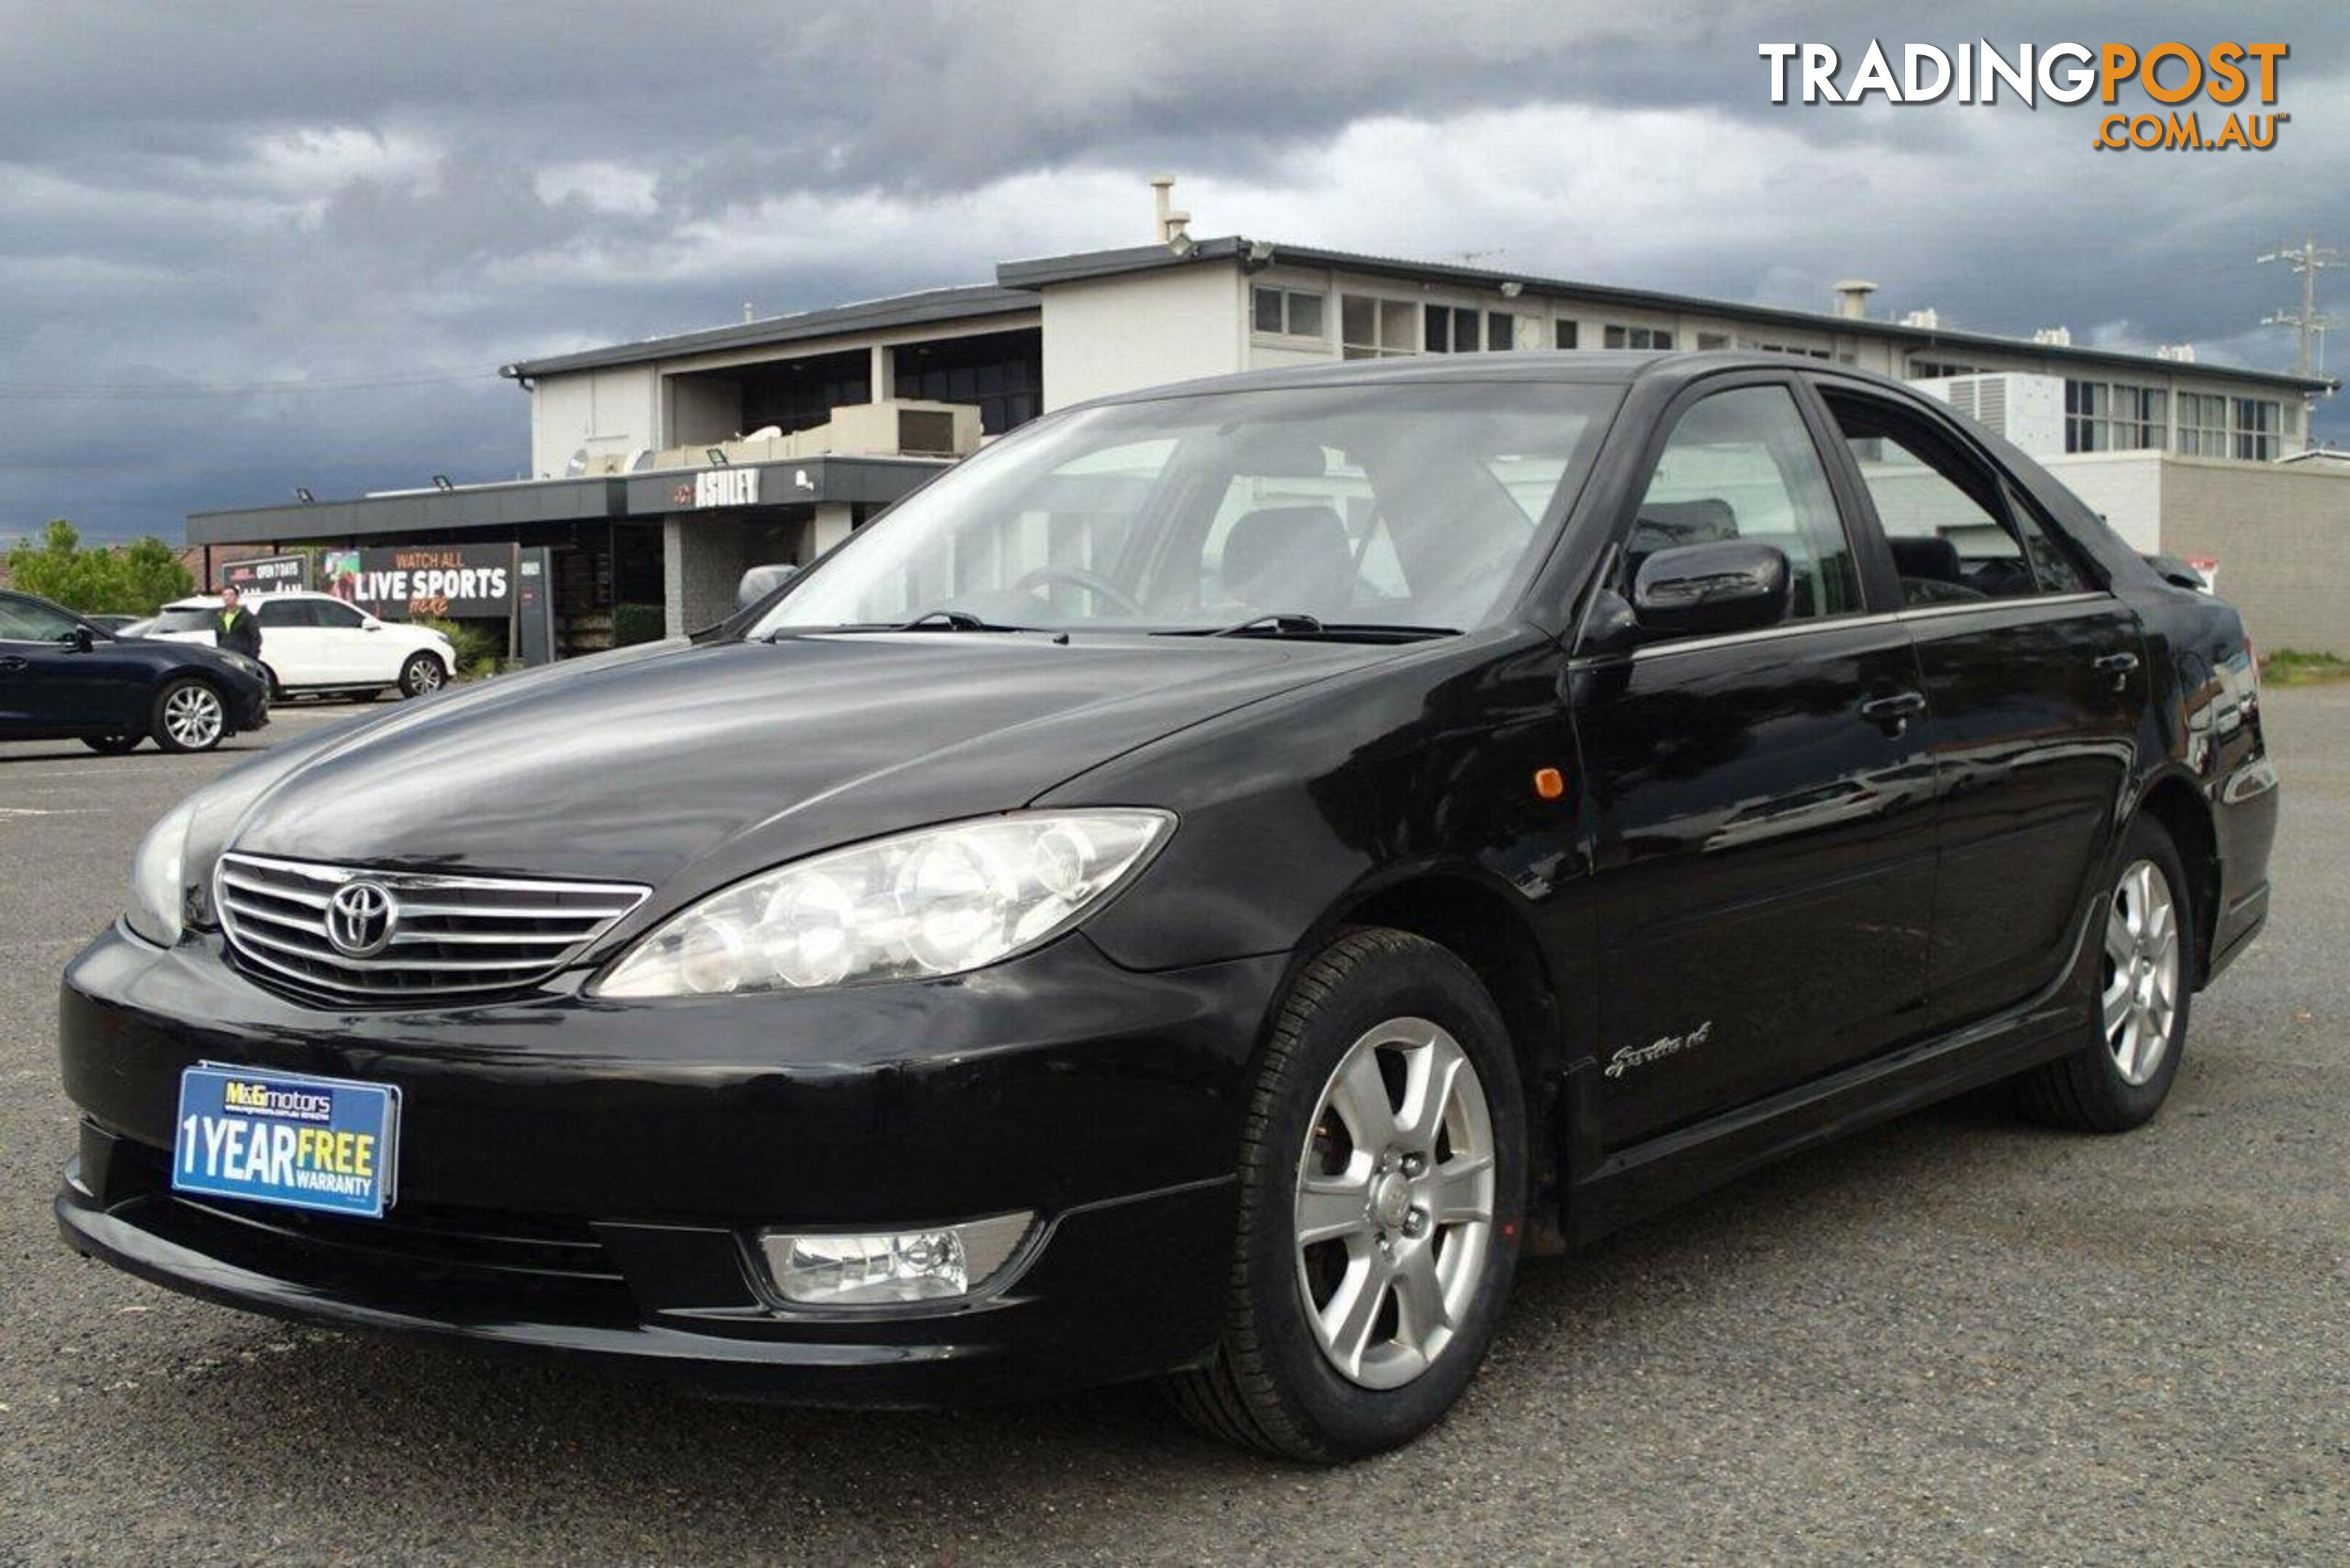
(867, 315)
(1041, 272)
(871, 481)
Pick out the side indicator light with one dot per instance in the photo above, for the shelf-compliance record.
(1549, 783)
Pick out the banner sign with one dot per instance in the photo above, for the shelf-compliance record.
(263, 574)
(456, 581)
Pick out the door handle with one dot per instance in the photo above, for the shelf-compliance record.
(1893, 711)
(12, 663)
(2119, 665)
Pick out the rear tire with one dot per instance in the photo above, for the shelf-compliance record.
(423, 675)
(2123, 1070)
(189, 716)
(1389, 1118)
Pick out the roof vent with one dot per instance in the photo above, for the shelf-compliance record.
(2054, 336)
(1929, 319)
(2183, 352)
(1171, 226)
(1852, 297)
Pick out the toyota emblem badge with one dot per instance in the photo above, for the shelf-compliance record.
(360, 917)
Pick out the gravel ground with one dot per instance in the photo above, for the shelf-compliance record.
(1955, 1336)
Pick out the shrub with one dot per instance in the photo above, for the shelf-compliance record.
(479, 644)
(633, 624)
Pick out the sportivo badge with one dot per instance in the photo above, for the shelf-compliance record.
(1656, 1050)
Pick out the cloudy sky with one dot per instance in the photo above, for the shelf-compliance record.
(244, 248)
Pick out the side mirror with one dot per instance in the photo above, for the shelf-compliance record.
(760, 581)
(80, 640)
(1728, 584)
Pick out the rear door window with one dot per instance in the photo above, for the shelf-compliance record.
(277, 615)
(1954, 536)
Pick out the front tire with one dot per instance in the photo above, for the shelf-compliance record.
(189, 716)
(112, 745)
(2121, 1074)
(1382, 1181)
(423, 675)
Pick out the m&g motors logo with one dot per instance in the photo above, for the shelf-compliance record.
(2178, 76)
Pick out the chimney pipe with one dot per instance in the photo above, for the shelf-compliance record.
(1852, 298)
(1170, 224)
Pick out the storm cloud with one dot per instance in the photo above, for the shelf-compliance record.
(247, 247)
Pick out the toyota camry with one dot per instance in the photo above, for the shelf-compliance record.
(1198, 892)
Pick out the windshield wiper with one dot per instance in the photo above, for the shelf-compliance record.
(1296, 623)
(929, 620)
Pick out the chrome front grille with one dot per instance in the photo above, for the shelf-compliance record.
(400, 936)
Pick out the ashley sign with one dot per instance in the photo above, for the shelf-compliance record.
(726, 487)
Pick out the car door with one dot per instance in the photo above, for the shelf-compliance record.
(49, 685)
(2033, 677)
(291, 643)
(354, 645)
(1760, 804)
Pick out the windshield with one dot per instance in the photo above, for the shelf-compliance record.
(1399, 506)
(186, 621)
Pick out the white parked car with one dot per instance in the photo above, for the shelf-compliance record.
(317, 643)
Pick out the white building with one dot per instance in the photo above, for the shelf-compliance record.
(815, 420)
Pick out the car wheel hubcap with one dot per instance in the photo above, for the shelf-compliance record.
(427, 677)
(192, 715)
(1394, 1203)
(2142, 971)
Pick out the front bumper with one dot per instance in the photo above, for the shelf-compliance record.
(586, 1177)
(249, 709)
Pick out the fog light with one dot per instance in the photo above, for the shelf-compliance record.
(873, 1268)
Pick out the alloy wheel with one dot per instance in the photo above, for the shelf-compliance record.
(1394, 1203)
(2142, 972)
(193, 716)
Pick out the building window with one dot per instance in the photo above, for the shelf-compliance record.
(1706, 340)
(1002, 373)
(1639, 338)
(2256, 428)
(1762, 347)
(1501, 329)
(1373, 328)
(2202, 425)
(2102, 416)
(1931, 370)
(2086, 412)
(1451, 330)
(1288, 312)
(1563, 335)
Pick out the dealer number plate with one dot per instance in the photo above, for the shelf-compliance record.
(325, 1144)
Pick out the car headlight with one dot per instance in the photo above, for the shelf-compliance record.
(158, 888)
(940, 901)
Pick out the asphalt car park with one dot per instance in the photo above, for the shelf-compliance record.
(1955, 1334)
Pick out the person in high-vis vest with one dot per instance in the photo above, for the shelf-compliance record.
(236, 629)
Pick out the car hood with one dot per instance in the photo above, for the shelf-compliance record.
(687, 767)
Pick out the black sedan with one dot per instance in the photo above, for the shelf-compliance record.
(1198, 891)
(64, 677)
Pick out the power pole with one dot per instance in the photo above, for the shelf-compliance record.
(2308, 258)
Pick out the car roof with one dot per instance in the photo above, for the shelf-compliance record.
(1590, 367)
(211, 601)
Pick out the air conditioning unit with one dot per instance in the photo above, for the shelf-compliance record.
(2028, 410)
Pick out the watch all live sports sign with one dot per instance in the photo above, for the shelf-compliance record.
(458, 582)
